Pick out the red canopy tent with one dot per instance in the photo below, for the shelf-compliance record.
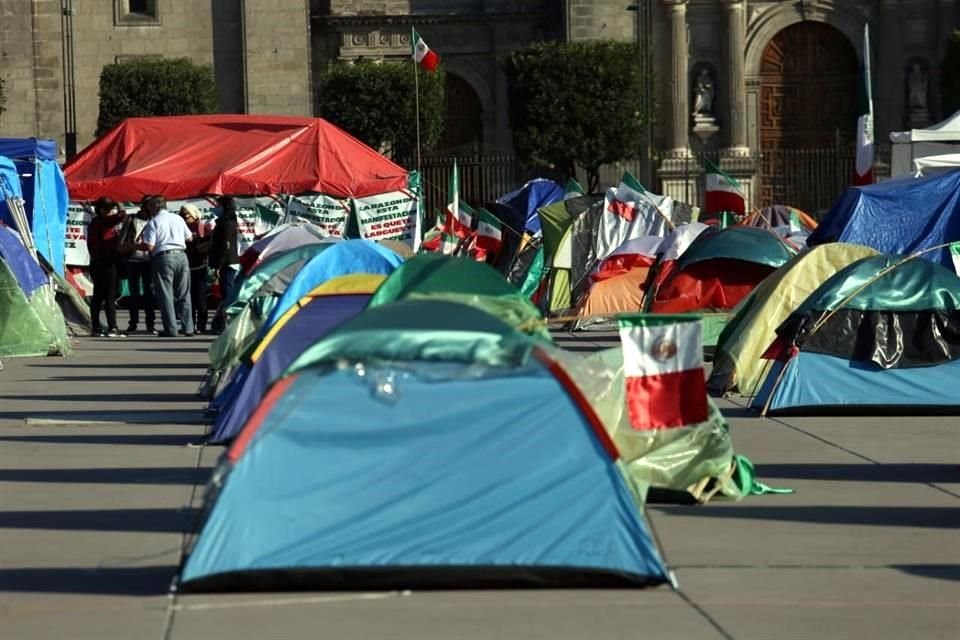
(181, 157)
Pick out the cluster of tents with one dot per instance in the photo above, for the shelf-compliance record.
(866, 318)
(36, 303)
(408, 420)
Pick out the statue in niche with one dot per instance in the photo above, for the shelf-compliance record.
(703, 94)
(917, 88)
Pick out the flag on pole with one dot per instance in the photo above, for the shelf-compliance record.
(629, 193)
(723, 194)
(422, 54)
(864, 165)
(489, 233)
(663, 370)
(458, 221)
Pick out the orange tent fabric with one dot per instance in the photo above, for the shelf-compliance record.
(241, 155)
(618, 294)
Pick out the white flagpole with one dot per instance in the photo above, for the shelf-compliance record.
(416, 92)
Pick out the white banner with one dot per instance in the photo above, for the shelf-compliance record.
(389, 216)
(330, 214)
(75, 244)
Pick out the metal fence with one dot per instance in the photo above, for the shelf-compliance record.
(810, 179)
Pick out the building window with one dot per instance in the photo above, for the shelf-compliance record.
(136, 12)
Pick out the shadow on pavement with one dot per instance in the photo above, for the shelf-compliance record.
(107, 365)
(133, 520)
(127, 475)
(131, 581)
(176, 416)
(146, 398)
(146, 439)
(911, 472)
(920, 517)
(150, 377)
(937, 571)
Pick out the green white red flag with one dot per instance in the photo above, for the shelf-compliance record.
(458, 218)
(489, 233)
(630, 193)
(863, 173)
(663, 370)
(723, 194)
(422, 54)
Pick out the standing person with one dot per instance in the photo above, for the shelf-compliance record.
(103, 244)
(139, 273)
(224, 255)
(165, 237)
(197, 250)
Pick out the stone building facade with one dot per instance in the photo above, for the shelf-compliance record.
(260, 51)
(731, 77)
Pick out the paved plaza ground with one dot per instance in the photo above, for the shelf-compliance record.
(101, 480)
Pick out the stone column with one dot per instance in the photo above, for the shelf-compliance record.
(679, 135)
(736, 43)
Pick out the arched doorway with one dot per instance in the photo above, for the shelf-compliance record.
(464, 125)
(808, 89)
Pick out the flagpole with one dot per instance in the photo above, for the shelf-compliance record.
(416, 92)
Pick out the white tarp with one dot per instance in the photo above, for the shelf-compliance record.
(940, 139)
(931, 165)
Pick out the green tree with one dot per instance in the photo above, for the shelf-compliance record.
(154, 87)
(375, 102)
(950, 76)
(576, 104)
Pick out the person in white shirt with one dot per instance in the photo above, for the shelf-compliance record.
(165, 237)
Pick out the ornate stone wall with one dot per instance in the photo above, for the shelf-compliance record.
(473, 38)
(278, 61)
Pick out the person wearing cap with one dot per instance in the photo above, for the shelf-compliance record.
(224, 255)
(139, 273)
(165, 238)
(197, 250)
(103, 244)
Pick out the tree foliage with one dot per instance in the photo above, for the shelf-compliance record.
(950, 76)
(376, 103)
(154, 87)
(576, 104)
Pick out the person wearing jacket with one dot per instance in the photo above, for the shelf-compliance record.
(197, 250)
(224, 255)
(139, 273)
(103, 244)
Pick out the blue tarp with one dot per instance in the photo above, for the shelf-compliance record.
(44, 191)
(28, 149)
(312, 322)
(344, 487)
(342, 258)
(899, 216)
(819, 381)
(25, 269)
(519, 208)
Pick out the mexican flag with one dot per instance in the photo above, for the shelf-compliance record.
(663, 370)
(628, 196)
(422, 54)
(458, 220)
(723, 194)
(864, 166)
(489, 233)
